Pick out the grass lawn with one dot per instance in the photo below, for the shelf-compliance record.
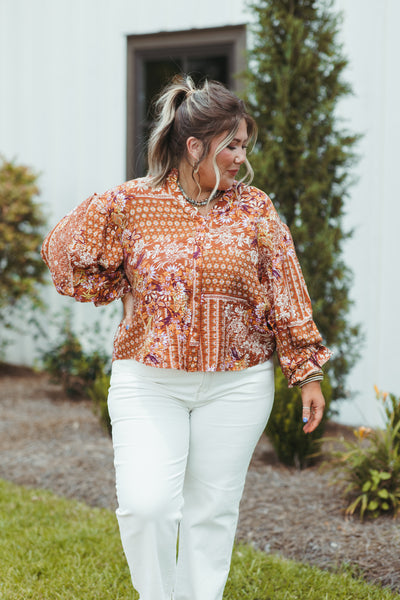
(56, 549)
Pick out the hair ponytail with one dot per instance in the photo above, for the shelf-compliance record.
(160, 157)
(181, 111)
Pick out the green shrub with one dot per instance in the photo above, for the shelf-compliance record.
(285, 426)
(368, 467)
(82, 373)
(22, 270)
(68, 364)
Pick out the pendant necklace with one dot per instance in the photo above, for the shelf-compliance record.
(194, 202)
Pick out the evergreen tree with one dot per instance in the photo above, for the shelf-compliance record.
(303, 157)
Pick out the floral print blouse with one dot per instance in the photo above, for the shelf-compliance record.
(211, 293)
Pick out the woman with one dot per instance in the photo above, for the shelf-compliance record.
(211, 287)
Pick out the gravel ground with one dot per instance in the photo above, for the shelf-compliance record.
(51, 442)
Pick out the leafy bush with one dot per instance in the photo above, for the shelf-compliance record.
(285, 426)
(72, 367)
(22, 270)
(81, 373)
(368, 468)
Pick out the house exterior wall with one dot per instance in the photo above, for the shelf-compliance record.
(372, 44)
(63, 111)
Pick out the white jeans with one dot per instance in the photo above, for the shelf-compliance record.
(182, 445)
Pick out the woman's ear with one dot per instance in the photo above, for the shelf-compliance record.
(194, 149)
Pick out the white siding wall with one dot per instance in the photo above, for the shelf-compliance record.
(372, 43)
(62, 110)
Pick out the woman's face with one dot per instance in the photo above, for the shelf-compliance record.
(228, 160)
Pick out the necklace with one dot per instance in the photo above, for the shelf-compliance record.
(193, 202)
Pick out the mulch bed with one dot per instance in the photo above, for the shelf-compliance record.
(49, 441)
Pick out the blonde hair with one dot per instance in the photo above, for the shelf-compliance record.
(182, 111)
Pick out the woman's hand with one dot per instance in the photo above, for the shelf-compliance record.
(313, 405)
(127, 302)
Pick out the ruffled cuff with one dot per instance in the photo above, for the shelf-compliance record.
(301, 369)
(317, 376)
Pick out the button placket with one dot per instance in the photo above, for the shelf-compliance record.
(194, 334)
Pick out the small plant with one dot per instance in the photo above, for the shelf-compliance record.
(368, 467)
(391, 407)
(68, 364)
(82, 373)
(285, 426)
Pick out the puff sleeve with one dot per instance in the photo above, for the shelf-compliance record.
(84, 252)
(298, 342)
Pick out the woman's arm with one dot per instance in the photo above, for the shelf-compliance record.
(84, 253)
(299, 344)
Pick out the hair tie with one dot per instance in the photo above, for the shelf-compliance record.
(184, 95)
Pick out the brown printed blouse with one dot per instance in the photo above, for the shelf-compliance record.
(211, 293)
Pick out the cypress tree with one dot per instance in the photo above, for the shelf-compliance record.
(304, 155)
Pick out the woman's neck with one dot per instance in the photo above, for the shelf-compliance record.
(190, 185)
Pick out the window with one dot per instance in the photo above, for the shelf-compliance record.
(217, 53)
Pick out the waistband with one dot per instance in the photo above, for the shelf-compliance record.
(133, 366)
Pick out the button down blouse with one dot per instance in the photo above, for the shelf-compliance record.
(211, 293)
